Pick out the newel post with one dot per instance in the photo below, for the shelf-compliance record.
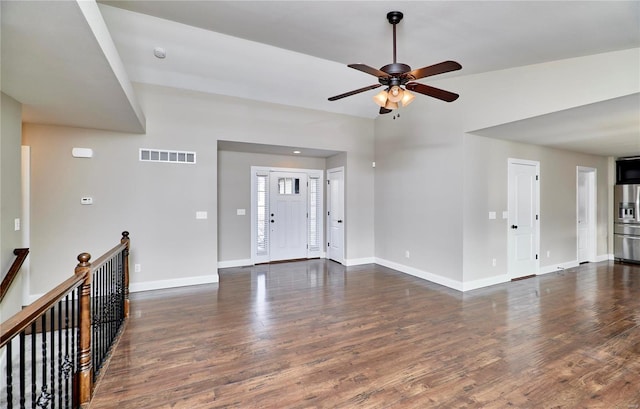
(125, 240)
(85, 370)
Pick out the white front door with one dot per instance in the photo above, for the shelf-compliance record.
(288, 216)
(335, 214)
(586, 214)
(523, 217)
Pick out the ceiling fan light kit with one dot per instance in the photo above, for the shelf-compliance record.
(396, 75)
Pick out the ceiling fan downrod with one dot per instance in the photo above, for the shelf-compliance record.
(394, 18)
(395, 68)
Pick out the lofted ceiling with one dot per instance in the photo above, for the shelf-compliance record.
(295, 53)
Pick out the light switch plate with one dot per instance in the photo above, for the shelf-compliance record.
(86, 200)
(241, 212)
(201, 215)
(505, 214)
(16, 224)
(492, 215)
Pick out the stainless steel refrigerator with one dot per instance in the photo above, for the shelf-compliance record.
(626, 219)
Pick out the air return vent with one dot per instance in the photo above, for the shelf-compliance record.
(159, 155)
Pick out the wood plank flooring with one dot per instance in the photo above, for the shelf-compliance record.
(313, 334)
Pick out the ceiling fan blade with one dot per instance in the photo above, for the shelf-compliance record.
(432, 92)
(369, 70)
(435, 69)
(384, 110)
(356, 91)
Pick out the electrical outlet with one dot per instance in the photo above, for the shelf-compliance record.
(137, 268)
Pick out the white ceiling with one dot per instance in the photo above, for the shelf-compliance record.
(295, 52)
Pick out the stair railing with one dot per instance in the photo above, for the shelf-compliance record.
(21, 255)
(52, 351)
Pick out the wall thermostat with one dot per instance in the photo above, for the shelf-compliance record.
(82, 152)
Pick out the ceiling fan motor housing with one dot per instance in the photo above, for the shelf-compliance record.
(396, 68)
(394, 17)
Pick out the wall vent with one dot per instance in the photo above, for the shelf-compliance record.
(159, 155)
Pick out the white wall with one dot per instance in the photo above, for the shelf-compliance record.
(10, 199)
(157, 202)
(436, 182)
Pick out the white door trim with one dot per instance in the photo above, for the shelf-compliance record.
(340, 257)
(25, 156)
(266, 171)
(591, 212)
(536, 223)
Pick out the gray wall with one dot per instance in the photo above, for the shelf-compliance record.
(10, 198)
(435, 181)
(234, 192)
(485, 163)
(157, 202)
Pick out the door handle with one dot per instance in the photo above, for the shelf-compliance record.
(272, 221)
(513, 226)
(339, 221)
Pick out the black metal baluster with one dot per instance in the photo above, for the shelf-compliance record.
(74, 346)
(66, 351)
(43, 399)
(59, 371)
(101, 315)
(34, 369)
(52, 338)
(9, 376)
(94, 321)
(112, 306)
(23, 375)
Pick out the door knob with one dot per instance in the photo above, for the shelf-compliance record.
(513, 226)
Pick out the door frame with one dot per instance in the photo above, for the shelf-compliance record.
(25, 170)
(592, 202)
(344, 216)
(266, 170)
(512, 161)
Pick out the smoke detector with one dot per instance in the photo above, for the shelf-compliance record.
(159, 52)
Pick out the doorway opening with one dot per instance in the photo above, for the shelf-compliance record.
(586, 205)
(286, 214)
(524, 218)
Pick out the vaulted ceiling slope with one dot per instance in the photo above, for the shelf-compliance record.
(59, 61)
(295, 52)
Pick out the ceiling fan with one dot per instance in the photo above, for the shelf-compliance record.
(396, 75)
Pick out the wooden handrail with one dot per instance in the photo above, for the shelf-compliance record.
(27, 316)
(80, 282)
(107, 256)
(21, 255)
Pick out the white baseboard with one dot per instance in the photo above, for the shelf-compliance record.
(235, 263)
(558, 267)
(359, 261)
(485, 282)
(604, 257)
(172, 283)
(158, 285)
(33, 298)
(434, 278)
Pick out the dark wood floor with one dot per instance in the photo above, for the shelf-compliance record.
(314, 335)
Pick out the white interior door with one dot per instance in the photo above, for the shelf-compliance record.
(288, 216)
(586, 214)
(523, 218)
(335, 214)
